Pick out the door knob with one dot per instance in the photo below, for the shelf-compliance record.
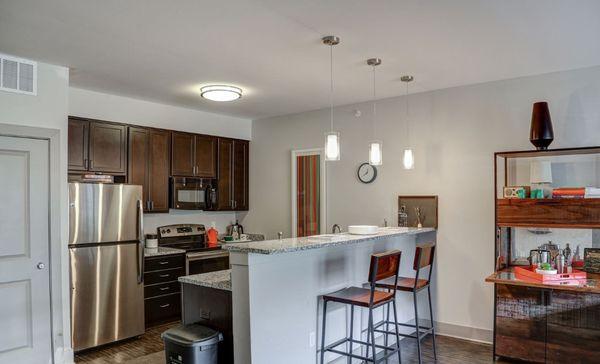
(41, 266)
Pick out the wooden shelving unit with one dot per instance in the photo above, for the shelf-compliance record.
(538, 322)
(548, 213)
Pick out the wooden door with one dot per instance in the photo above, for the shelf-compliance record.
(520, 323)
(158, 170)
(108, 148)
(182, 158)
(240, 175)
(78, 144)
(25, 334)
(225, 174)
(138, 161)
(573, 333)
(205, 156)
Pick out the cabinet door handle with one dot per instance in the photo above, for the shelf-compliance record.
(164, 275)
(164, 288)
(163, 263)
(85, 163)
(91, 164)
(165, 305)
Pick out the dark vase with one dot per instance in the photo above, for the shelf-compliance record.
(541, 133)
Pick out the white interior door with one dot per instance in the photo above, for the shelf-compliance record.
(25, 331)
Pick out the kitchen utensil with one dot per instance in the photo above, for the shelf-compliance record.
(151, 241)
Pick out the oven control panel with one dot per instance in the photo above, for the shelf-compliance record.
(179, 230)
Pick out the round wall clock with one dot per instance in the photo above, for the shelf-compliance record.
(366, 173)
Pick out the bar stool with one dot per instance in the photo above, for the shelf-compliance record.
(423, 258)
(383, 266)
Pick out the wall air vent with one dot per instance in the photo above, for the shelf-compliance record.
(18, 75)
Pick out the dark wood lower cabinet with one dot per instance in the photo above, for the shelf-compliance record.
(547, 325)
(162, 297)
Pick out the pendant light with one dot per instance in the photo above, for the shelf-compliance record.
(408, 159)
(375, 146)
(332, 138)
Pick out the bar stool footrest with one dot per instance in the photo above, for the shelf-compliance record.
(392, 349)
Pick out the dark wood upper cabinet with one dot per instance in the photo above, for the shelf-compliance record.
(225, 174)
(158, 170)
(78, 144)
(206, 156)
(96, 146)
(240, 174)
(149, 151)
(232, 192)
(194, 155)
(182, 157)
(107, 148)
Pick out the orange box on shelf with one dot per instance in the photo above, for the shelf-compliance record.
(530, 272)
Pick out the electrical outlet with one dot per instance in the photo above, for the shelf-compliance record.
(312, 339)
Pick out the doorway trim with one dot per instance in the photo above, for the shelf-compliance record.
(60, 329)
(322, 187)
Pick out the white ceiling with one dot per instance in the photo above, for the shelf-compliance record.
(164, 50)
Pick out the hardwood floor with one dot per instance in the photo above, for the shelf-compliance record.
(148, 350)
(127, 350)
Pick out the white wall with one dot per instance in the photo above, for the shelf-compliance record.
(454, 133)
(103, 106)
(49, 110)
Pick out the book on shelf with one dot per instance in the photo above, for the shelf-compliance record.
(576, 192)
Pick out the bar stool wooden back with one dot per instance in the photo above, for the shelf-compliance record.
(424, 255)
(383, 266)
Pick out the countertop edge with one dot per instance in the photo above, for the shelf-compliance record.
(239, 248)
(492, 278)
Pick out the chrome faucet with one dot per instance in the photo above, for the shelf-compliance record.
(336, 226)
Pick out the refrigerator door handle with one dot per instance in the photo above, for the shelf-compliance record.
(140, 249)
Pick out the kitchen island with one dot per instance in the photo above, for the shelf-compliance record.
(277, 284)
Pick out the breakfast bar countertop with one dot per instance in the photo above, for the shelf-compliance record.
(318, 241)
(219, 280)
(507, 276)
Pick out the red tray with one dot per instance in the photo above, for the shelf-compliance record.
(529, 272)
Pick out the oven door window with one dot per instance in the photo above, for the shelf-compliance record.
(191, 196)
(208, 265)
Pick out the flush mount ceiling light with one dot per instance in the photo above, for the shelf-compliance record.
(221, 93)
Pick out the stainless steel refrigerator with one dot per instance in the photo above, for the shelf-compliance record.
(106, 263)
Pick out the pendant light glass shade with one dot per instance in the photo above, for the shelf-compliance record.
(375, 153)
(332, 146)
(332, 138)
(408, 160)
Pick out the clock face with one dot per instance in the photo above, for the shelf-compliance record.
(366, 173)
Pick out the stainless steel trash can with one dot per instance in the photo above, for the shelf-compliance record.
(191, 344)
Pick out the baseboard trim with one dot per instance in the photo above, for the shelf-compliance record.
(465, 332)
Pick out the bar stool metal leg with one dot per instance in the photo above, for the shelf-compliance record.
(323, 332)
(372, 333)
(431, 318)
(351, 332)
(397, 332)
(417, 326)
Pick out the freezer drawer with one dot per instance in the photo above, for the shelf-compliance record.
(107, 298)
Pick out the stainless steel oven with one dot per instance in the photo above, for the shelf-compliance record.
(206, 261)
(193, 193)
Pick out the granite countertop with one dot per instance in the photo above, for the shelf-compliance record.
(155, 252)
(219, 280)
(317, 241)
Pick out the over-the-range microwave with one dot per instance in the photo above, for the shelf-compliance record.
(193, 193)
